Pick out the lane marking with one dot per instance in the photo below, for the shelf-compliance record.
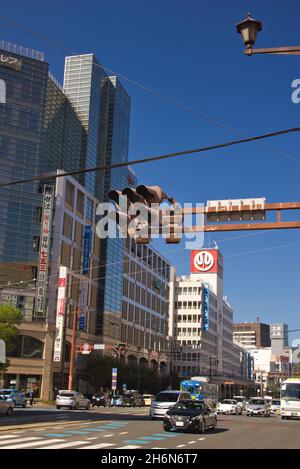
(95, 429)
(93, 438)
(78, 432)
(8, 436)
(28, 438)
(58, 435)
(29, 445)
(191, 442)
(166, 435)
(180, 446)
(123, 433)
(129, 447)
(200, 439)
(100, 445)
(107, 436)
(70, 444)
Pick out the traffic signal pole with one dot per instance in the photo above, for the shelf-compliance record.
(73, 348)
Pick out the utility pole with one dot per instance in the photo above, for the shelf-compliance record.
(73, 340)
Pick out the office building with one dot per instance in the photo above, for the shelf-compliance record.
(252, 334)
(201, 325)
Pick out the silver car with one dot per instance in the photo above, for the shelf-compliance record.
(258, 406)
(6, 405)
(16, 396)
(164, 400)
(72, 400)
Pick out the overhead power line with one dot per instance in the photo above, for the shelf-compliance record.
(52, 175)
(200, 114)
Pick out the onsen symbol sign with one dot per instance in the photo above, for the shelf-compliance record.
(204, 261)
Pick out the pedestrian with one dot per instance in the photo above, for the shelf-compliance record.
(31, 398)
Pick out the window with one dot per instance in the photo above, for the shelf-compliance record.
(80, 204)
(69, 197)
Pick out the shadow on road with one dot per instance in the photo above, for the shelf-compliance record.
(27, 416)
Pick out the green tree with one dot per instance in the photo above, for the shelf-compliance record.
(10, 318)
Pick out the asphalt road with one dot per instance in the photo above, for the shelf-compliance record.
(48, 428)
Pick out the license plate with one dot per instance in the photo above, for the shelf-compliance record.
(179, 424)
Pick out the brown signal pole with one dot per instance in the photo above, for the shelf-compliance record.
(73, 340)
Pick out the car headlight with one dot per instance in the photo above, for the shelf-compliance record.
(197, 417)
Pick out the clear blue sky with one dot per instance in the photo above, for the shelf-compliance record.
(189, 50)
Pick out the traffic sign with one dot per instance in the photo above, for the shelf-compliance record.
(99, 346)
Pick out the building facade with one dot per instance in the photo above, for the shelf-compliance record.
(252, 334)
(201, 325)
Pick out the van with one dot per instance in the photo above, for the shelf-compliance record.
(164, 400)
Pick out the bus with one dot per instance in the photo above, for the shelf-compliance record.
(200, 388)
(290, 398)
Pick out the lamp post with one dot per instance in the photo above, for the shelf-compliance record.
(249, 28)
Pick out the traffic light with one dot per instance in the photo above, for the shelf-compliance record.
(139, 214)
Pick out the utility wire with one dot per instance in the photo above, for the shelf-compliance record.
(156, 93)
(52, 175)
(136, 258)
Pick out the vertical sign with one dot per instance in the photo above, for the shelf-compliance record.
(2, 92)
(83, 307)
(42, 275)
(86, 249)
(60, 313)
(114, 375)
(2, 351)
(205, 306)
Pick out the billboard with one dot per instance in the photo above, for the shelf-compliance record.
(42, 274)
(208, 261)
(86, 249)
(60, 313)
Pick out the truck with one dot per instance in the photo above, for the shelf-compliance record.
(290, 398)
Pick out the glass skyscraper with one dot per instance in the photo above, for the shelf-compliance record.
(21, 128)
(103, 106)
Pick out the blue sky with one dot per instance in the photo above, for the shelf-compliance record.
(189, 50)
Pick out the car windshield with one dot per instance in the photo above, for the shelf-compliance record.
(189, 405)
(167, 397)
(257, 401)
(239, 399)
(8, 391)
(117, 396)
(66, 394)
(291, 391)
(228, 401)
(275, 402)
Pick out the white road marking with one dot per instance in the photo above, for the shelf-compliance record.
(200, 439)
(107, 436)
(28, 438)
(129, 447)
(180, 446)
(8, 436)
(191, 442)
(40, 430)
(93, 438)
(30, 445)
(65, 445)
(123, 433)
(100, 445)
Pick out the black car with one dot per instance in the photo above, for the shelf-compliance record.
(99, 400)
(190, 415)
(133, 399)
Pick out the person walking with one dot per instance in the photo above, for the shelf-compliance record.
(31, 398)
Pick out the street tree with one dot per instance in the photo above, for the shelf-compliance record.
(10, 318)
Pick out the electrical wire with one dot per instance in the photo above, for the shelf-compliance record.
(53, 175)
(22, 282)
(173, 101)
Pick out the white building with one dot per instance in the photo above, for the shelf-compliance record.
(200, 321)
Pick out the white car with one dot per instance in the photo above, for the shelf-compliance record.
(164, 400)
(230, 406)
(275, 406)
(72, 399)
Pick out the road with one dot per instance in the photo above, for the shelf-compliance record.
(49, 428)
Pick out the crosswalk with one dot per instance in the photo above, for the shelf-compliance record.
(110, 434)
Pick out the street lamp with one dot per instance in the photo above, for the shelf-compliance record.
(248, 29)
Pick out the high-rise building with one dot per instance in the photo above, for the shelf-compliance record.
(25, 74)
(103, 106)
(201, 325)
